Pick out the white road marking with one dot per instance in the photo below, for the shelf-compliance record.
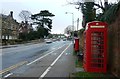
(37, 60)
(48, 69)
(8, 75)
(43, 56)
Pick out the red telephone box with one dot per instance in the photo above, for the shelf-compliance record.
(76, 46)
(95, 47)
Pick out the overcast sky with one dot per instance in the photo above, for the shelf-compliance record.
(57, 7)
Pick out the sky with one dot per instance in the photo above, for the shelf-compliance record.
(57, 7)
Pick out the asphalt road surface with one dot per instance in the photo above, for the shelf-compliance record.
(38, 60)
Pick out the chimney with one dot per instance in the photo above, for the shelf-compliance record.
(11, 14)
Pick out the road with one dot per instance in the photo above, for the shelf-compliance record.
(36, 60)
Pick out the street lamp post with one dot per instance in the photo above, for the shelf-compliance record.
(72, 24)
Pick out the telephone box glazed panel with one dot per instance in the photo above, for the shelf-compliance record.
(95, 47)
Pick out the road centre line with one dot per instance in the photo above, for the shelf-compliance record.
(21, 63)
(44, 56)
(12, 67)
(48, 69)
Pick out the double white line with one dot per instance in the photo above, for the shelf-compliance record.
(48, 69)
(43, 56)
(21, 63)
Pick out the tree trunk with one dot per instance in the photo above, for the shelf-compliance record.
(106, 4)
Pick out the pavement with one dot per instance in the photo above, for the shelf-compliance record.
(59, 64)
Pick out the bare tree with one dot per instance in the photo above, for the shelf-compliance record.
(68, 30)
(25, 15)
(99, 3)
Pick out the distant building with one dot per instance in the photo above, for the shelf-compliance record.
(9, 26)
(25, 27)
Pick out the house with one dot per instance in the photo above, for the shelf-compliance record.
(9, 26)
(25, 27)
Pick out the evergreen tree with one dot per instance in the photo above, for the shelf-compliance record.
(43, 21)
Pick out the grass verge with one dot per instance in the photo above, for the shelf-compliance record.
(88, 75)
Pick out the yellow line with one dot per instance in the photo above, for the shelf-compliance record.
(12, 67)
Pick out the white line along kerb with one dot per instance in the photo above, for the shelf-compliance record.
(44, 56)
(48, 69)
(8, 75)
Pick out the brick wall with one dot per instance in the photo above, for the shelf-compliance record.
(114, 46)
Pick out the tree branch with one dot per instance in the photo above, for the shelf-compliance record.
(80, 4)
(99, 6)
